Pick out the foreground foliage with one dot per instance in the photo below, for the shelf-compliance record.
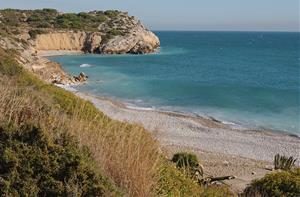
(283, 162)
(276, 184)
(184, 160)
(33, 163)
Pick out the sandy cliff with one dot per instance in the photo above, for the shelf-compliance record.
(61, 41)
(137, 41)
(123, 34)
(68, 40)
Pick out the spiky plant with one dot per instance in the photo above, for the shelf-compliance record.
(188, 162)
(283, 162)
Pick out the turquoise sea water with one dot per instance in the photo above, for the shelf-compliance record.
(248, 78)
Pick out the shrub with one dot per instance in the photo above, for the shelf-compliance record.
(185, 160)
(276, 184)
(283, 162)
(32, 163)
(173, 182)
(34, 18)
(44, 25)
(50, 11)
(189, 164)
(111, 13)
(34, 32)
(114, 32)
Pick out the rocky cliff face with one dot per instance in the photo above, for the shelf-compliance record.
(32, 31)
(120, 33)
(68, 40)
(137, 41)
(60, 41)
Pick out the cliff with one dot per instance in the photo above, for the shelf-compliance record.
(138, 41)
(112, 32)
(30, 32)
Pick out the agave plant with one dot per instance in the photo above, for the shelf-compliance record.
(189, 162)
(284, 163)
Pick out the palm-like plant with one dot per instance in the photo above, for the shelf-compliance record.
(188, 162)
(283, 162)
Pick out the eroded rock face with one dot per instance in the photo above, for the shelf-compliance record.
(138, 41)
(73, 41)
(134, 38)
(93, 42)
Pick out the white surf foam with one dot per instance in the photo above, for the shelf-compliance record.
(85, 66)
(140, 108)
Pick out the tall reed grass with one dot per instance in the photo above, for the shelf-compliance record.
(124, 152)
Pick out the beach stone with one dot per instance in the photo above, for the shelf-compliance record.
(226, 163)
(269, 167)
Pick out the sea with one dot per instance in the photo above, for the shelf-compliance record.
(250, 79)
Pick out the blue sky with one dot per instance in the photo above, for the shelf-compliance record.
(234, 15)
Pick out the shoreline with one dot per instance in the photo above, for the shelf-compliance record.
(232, 123)
(197, 132)
(221, 149)
(49, 53)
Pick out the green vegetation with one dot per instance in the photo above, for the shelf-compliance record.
(34, 32)
(112, 13)
(81, 21)
(276, 184)
(284, 182)
(183, 160)
(33, 163)
(174, 182)
(51, 18)
(284, 162)
(189, 164)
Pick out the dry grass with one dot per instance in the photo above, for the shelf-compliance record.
(124, 152)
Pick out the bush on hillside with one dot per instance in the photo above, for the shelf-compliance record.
(32, 163)
(174, 182)
(183, 160)
(111, 13)
(276, 184)
(34, 32)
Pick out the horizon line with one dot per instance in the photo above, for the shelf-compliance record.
(187, 30)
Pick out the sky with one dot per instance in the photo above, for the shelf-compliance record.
(203, 15)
